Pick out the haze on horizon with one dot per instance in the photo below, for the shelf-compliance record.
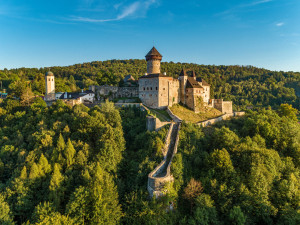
(261, 33)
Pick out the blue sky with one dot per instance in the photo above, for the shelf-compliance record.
(41, 33)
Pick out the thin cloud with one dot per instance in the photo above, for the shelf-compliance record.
(127, 11)
(279, 24)
(243, 6)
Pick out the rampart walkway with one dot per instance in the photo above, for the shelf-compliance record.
(162, 174)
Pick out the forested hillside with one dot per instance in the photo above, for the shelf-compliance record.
(62, 165)
(80, 165)
(246, 86)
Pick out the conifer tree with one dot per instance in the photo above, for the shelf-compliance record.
(23, 173)
(69, 153)
(56, 190)
(34, 171)
(44, 166)
(57, 152)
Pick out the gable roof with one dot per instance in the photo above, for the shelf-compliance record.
(204, 83)
(128, 78)
(75, 95)
(192, 83)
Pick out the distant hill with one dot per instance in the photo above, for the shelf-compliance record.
(246, 86)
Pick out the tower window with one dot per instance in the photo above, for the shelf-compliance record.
(144, 89)
(151, 88)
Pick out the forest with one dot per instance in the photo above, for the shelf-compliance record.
(80, 165)
(247, 86)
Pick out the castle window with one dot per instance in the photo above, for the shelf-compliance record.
(52, 79)
(147, 88)
(144, 89)
(156, 88)
(151, 88)
(49, 79)
(150, 95)
(164, 89)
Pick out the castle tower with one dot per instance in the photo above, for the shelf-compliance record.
(153, 59)
(183, 80)
(50, 86)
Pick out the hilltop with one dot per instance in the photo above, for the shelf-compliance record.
(246, 86)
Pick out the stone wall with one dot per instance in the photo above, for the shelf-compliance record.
(148, 91)
(156, 184)
(154, 124)
(174, 91)
(173, 116)
(222, 106)
(220, 118)
(112, 92)
(227, 107)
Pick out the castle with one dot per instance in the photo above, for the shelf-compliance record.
(158, 90)
(154, 89)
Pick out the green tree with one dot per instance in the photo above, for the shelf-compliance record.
(5, 213)
(288, 111)
(55, 187)
(236, 216)
(69, 153)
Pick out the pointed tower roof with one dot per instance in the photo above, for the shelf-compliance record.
(193, 73)
(183, 73)
(153, 54)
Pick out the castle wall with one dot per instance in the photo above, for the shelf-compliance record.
(227, 107)
(148, 91)
(174, 91)
(222, 106)
(206, 95)
(112, 92)
(189, 98)
(154, 124)
(220, 118)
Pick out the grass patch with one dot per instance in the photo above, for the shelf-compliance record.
(190, 116)
(162, 115)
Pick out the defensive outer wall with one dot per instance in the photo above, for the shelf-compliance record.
(161, 175)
